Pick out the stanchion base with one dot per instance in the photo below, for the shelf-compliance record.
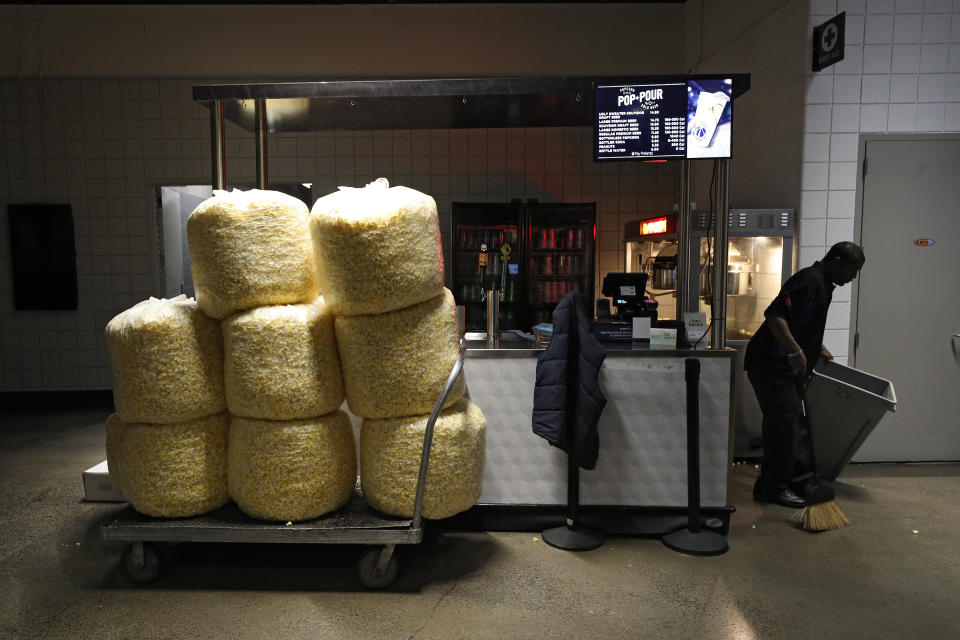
(701, 543)
(578, 539)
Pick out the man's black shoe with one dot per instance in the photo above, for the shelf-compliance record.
(783, 497)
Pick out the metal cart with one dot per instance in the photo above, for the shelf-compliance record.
(355, 523)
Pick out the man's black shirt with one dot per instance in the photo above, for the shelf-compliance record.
(803, 302)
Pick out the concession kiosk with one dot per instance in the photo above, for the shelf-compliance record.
(640, 484)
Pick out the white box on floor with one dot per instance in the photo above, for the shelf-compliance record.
(97, 485)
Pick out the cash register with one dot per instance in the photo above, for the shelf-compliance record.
(627, 291)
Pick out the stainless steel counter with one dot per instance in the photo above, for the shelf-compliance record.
(527, 348)
(642, 461)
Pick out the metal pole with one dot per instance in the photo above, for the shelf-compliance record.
(260, 115)
(692, 376)
(693, 539)
(719, 307)
(217, 146)
(683, 248)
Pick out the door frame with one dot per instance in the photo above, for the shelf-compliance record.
(858, 215)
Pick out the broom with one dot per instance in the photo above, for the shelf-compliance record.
(821, 513)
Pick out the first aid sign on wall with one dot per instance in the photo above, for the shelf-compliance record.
(828, 42)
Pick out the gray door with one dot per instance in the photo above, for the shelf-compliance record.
(908, 296)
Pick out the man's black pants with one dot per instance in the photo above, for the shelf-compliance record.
(786, 442)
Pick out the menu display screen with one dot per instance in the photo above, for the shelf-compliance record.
(663, 120)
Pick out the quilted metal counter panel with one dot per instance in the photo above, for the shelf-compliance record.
(642, 458)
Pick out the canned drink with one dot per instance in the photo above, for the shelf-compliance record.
(548, 265)
(571, 239)
(580, 237)
(551, 239)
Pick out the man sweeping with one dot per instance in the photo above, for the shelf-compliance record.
(777, 361)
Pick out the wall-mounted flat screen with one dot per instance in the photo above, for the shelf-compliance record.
(663, 119)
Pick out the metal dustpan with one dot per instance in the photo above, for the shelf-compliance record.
(843, 407)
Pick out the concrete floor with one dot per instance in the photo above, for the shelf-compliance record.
(894, 574)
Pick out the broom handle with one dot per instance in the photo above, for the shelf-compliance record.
(802, 392)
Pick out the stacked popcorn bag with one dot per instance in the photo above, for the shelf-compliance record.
(380, 260)
(167, 441)
(237, 395)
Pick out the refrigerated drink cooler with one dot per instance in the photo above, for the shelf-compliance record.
(533, 253)
(761, 257)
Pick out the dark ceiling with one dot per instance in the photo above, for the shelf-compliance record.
(270, 2)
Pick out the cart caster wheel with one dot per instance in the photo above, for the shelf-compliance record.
(367, 567)
(141, 570)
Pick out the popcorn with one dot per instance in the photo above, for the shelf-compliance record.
(287, 471)
(251, 249)
(397, 363)
(281, 362)
(175, 470)
(378, 248)
(390, 462)
(167, 362)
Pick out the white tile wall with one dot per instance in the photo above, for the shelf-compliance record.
(876, 58)
(841, 204)
(910, 82)
(873, 117)
(902, 117)
(903, 88)
(105, 145)
(901, 72)
(878, 29)
(851, 6)
(930, 117)
(907, 29)
(933, 58)
(906, 58)
(875, 89)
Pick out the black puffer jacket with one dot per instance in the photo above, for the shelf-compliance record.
(567, 401)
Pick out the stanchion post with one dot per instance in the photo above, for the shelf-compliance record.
(693, 540)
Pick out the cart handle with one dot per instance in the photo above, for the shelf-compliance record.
(428, 435)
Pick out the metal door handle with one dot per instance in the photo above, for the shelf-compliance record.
(953, 344)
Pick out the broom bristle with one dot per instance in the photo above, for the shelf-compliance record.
(821, 517)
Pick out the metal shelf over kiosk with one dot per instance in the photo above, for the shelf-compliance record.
(460, 103)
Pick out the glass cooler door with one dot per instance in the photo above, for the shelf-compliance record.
(560, 258)
(498, 227)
